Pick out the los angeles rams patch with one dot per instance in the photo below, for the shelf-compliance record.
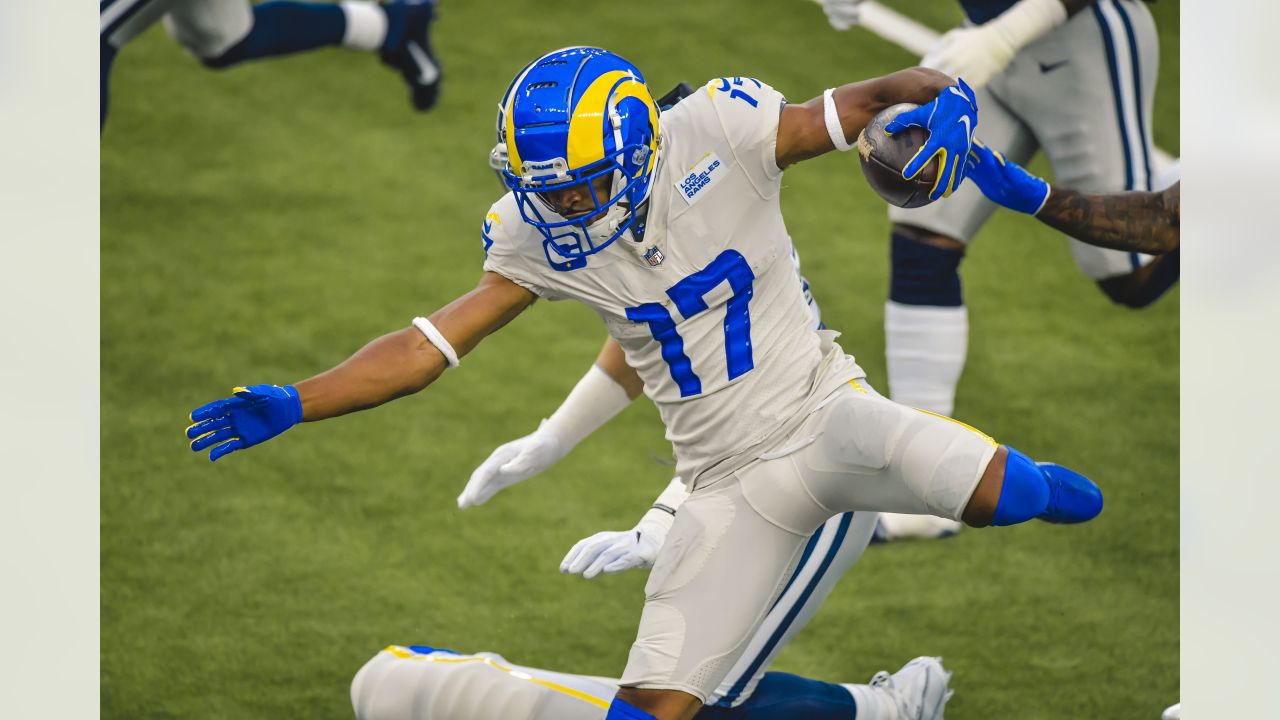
(701, 176)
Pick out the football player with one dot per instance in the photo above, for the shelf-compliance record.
(1072, 77)
(595, 401)
(222, 33)
(674, 235)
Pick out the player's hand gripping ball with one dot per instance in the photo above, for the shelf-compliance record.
(935, 155)
(885, 156)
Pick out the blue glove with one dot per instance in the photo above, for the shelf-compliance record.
(256, 414)
(950, 119)
(1004, 182)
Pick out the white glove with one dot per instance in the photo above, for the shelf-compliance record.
(978, 54)
(512, 462)
(842, 14)
(596, 398)
(613, 552)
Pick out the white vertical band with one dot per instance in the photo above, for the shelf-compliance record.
(834, 128)
(435, 338)
(366, 25)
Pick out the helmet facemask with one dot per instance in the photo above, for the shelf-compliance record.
(580, 161)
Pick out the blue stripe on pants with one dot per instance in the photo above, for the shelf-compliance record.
(1119, 98)
(741, 684)
(1136, 66)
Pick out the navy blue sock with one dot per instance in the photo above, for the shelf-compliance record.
(783, 696)
(924, 274)
(104, 64)
(281, 28)
(1162, 278)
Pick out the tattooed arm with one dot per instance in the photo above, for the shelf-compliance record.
(1145, 222)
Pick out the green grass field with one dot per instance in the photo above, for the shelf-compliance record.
(261, 224)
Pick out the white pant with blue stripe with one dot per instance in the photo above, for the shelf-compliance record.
(1083, 93)
(751, 556)
(832, 550)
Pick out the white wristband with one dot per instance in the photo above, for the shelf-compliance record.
(435, 338)
(834, 128)
(593, 402)
(1028, 20)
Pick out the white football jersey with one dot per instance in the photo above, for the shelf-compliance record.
(708, 306)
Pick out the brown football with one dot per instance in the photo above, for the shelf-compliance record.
(883, 156)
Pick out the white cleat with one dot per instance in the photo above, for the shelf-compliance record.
(918, 690)
(892, 526)
(1173, 712)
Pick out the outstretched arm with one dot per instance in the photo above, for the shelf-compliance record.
(392, 366)
(404, 362)
(1146, 222)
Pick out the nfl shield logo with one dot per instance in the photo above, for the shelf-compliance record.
(653, 256)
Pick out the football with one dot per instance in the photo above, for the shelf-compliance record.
(883, 156)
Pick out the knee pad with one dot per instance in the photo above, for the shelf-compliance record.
(924, 274)
(1025, 493)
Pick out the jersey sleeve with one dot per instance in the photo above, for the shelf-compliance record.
(749, 111)
(503, 253)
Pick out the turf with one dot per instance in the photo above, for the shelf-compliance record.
(259, 224)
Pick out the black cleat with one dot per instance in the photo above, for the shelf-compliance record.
(408, 49)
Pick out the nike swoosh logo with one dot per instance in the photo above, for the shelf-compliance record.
(956, 90)
(968, 129)
(1050, 67)
(427, 70)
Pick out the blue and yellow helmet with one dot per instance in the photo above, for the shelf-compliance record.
(571, 117)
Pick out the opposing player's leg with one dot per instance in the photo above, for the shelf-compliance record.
(829, 553)
(223, 33)
(926, 322)
(424, 683)
(1093, 116)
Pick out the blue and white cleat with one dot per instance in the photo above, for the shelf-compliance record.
(408, 49)
(919, 690)
(1073, 498)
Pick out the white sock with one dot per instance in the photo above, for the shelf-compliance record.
(925, 347)
(366, 25)
(871, 706)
